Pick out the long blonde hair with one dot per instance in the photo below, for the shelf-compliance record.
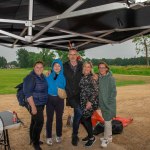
(89, 63)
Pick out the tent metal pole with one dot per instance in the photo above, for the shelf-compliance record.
(85, 35)
(135, 35)
(12, 35)
(107, 33)
(30, 17)
(53, 23)
(55, 38)
(13, 21)
(133, 28)
(21, 34)
(63, 41)
(83, 12)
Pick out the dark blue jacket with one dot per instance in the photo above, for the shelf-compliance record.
(37, 87)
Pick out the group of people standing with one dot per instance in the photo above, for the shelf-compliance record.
(86, 92)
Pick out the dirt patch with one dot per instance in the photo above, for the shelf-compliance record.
(132, 101)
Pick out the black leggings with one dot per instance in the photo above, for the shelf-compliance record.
(54, 104)
(86, 122)
(36, 125)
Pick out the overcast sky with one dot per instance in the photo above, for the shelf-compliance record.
(124, 50)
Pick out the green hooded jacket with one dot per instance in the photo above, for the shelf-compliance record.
(107, 96)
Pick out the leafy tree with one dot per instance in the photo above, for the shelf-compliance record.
(143, 45)
(33, 57)
(14, 63)
(82, 53)
(23, 58)
(63, 55)
(3, 62)
(47, 56)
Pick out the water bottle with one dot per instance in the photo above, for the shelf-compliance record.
(14, 117)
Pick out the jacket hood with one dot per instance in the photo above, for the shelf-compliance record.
(60, 63)
(109, 73)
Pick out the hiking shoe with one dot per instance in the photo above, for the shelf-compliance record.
(58, 139)
(104, 143)
(75, 140)
(109, 139)
(90, 142)
(85, 139)
(49, 141)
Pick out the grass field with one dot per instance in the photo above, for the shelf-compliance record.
(129, 70)
(124, 76)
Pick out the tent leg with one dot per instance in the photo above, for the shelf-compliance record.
(30, 17)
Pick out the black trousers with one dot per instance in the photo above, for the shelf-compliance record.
(54, 104)
(36, 125)
(87, 123)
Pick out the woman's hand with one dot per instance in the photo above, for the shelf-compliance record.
(34, 110)
(95, 77)
(32, 104)
(88, 105)
(47, 73)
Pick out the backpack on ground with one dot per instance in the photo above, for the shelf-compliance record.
(117, 127)
(21, 96)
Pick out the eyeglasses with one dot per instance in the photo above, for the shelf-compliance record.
(72, 54)
(102, 68)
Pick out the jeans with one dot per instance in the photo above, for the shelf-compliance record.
(87, 123)
(54, 104)
(36, 125)
(76, 120)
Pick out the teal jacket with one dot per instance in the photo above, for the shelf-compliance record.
(107, 96)
(60, 82)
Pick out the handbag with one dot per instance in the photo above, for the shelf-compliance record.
(62, 93)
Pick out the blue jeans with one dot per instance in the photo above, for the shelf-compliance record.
(76, 120)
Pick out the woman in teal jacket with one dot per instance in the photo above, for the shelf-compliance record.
(55, 104)
(107, 100)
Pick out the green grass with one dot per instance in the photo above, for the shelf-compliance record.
(129, 70)
(9, 78)
(130, 82)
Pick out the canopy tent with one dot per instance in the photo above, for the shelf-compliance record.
(86, 23)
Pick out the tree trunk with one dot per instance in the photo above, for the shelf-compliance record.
(146, 51)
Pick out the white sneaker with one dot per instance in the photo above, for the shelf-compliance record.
(49, 141)
(109, 139)
(58, 139)
(104, 143)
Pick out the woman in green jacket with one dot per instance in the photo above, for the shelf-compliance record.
(107, 100)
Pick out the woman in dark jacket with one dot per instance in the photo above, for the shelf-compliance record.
(35, 88)
(88, 101)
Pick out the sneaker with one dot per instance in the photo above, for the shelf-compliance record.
(104, 143)
(109, 139)
(49, 141)
(75, 140)
(58, 139)
(90, 142)
(85, 139)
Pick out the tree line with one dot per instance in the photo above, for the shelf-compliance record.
(26, 59)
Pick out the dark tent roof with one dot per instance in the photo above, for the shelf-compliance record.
(86, 23)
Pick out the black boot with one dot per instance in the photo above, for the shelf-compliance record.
(75, 140)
